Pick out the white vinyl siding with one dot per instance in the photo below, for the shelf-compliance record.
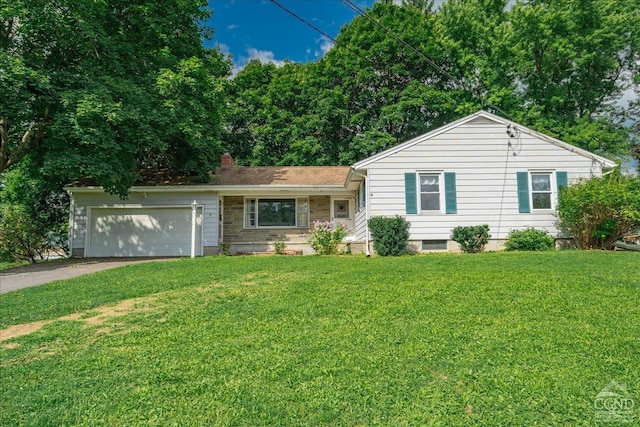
(361, 224)
(485, 167)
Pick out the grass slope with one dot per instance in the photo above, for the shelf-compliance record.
(455, 340)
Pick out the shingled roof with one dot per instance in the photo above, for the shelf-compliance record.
(285, 175)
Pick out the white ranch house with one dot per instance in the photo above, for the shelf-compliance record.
(481, 169)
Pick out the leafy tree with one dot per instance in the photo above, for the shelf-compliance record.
(33, 215)
(404, 69)
(387, 86)
(246, 97)
(635, 152)
(475, 37)
(101, 88)
(572, 61)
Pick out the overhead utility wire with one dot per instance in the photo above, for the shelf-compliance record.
(364, 14)
(299, 18)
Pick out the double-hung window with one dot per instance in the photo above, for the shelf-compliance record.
(276, 212)
(541, 190)
(430, 192)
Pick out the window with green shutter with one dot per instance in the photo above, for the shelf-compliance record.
(523, 192)
(410, 193)
(431, 192)
(540, 190)
(450, 197)
(562, 180)
(536, 190)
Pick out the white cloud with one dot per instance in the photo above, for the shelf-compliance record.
(326, 45)
(224, 48)
(264, 56)
(232, 27)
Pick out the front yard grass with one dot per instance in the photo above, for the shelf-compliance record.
(453, 340)
(5, 265)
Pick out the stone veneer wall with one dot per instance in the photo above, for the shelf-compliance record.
(260, 238)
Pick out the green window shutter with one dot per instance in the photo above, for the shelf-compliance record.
(562, 180)
(523, 192)
(450, 200)
(410, 195)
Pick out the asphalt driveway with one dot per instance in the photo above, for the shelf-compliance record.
(39, 274)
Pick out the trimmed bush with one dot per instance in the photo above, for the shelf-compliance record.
(598, 211)
(390, 234)
(529, 239)
(326, 236)
(472, 239)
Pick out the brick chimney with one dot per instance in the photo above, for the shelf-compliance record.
(226, 161)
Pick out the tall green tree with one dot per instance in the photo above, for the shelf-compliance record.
(572, 62)
(404, 69)
(246, 97)
(101, 88)
(395, 79)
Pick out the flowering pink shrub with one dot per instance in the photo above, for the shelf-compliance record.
(326, 236)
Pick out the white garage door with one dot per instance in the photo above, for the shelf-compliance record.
(124, 232)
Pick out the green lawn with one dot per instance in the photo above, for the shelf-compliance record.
(5, 265)
(492, 339)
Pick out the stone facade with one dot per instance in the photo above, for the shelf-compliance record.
(241, 239)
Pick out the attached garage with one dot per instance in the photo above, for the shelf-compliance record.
(141, 231)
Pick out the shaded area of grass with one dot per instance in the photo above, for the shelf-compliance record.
(489, 339)
(5, 265)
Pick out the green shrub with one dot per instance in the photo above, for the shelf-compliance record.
(598, 211)
(471, 239)
(529, 239)
(390, 234)
(225, 249)
(34, 217)
(21, 238)
(326, 236)
(279, 247)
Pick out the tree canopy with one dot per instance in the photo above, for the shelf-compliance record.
(102, 88)
(402, 69)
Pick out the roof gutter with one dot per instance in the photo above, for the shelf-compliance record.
(217, 188)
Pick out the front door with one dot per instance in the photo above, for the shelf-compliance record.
(342, 213)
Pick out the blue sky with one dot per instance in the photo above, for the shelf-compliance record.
(249, 29)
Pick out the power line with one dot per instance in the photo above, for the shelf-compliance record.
(299, 18)
(397, 38)
(364, 14)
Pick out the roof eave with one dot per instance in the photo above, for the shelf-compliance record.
(216, 188)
